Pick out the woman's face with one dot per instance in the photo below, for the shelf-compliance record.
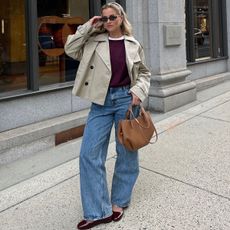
(113, 24)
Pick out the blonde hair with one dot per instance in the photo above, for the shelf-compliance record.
(126, 27)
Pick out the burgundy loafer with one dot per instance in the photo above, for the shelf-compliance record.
(118, 215)
(84, 224)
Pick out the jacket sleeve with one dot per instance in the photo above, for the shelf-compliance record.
(142, 84)
(75, 42)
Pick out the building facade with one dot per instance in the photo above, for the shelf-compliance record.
(186, 44)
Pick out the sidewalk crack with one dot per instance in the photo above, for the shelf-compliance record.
(38, 193)
(215, 119)
(186, 183)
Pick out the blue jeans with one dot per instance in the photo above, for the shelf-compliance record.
(95, 197)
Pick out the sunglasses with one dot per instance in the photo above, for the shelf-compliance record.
(110, 18)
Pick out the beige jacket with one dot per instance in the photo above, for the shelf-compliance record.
(94, 72)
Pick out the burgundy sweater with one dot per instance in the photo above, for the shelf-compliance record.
(120, 75)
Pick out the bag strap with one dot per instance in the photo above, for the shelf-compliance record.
(156, 136)
(142, 110)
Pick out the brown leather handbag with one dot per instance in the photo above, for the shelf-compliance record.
(135, 133)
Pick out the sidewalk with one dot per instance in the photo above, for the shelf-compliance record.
(184, 180)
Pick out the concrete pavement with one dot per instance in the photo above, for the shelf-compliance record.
(184, 181)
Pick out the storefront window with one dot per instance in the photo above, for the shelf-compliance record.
(33, 56)
(55, 23)
(205, 25)
(12, 46)
(201, 27)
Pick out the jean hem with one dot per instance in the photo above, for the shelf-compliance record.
(121, 205)
(98, 218)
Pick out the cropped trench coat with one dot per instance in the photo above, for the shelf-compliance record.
(94, 71)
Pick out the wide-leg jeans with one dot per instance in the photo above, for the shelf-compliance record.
(96, 201)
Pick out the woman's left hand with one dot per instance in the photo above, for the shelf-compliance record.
(135, 99)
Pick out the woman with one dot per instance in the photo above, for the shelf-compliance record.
(113, 76)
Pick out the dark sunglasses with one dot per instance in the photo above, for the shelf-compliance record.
(110, 18)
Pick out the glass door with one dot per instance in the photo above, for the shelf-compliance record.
(201, 30)
(12, 46)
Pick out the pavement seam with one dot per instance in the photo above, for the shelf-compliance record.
(186, 183)
(182, 122)
(44, 190)
(30, 197)
(34, 175)
(44, 171)
(204, 111)
(215, 119)
(190, 114)
(195, 116)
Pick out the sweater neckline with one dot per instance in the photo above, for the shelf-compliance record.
(116, 39)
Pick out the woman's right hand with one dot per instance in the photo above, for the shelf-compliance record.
(95, 21)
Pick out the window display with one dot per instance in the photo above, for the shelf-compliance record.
(55, 23)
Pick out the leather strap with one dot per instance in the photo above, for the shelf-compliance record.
(142, 110)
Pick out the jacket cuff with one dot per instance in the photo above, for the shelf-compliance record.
(138, 92)
(85, 28)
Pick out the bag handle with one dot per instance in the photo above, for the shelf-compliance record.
(142, 111)
(130, 115)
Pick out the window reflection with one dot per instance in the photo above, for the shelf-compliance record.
(201, 29)
(12, 46)
(54, 25)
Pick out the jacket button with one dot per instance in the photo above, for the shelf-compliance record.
(86, 83)
(91, 67)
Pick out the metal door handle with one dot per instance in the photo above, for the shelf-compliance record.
(2, 26)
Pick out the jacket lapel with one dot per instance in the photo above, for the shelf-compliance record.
(103, 44)
(131, 49)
